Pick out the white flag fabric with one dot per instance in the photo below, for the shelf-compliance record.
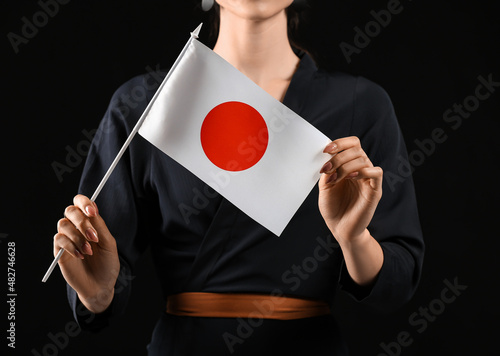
(238, 139)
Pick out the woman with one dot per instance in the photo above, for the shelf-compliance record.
(259, 293)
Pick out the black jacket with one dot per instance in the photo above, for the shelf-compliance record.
(201, 242)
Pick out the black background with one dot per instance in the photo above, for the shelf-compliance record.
(428, 58)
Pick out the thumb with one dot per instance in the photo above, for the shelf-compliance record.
(106, 239)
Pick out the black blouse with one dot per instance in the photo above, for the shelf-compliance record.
(201, 242)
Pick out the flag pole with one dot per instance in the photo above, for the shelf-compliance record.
(194, 35)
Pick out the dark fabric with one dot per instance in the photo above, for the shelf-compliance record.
(318, 336)
(201, 242)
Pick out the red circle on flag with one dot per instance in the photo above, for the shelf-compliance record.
(234, 136)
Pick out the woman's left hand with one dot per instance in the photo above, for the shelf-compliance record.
(349, 189)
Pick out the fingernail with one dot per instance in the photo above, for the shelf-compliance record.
(96, 208)
(92, 234)
(352, 175)
(326, 167)
(86, 248)
(90, 210)
(79, 254)
(332, 178)
(330, 148)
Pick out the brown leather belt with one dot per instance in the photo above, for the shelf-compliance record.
(239, 305)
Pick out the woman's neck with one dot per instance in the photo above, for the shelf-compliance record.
(259, 49)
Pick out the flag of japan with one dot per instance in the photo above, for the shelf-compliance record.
(237, 138)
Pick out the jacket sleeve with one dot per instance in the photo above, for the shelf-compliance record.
(122, 202)
(395, 224)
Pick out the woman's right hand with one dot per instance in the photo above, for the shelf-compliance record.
(90, 263)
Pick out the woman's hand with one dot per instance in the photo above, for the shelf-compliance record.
(349, 189)
(349, 192)
(90, 264)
